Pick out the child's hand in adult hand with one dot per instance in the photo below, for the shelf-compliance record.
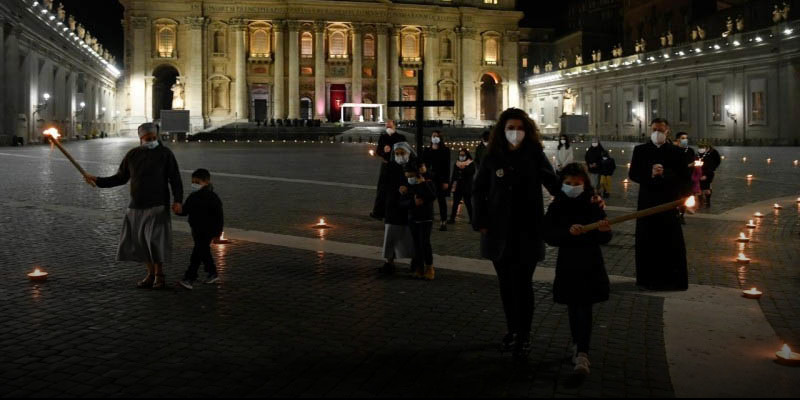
(576, 230)
(605, 226)
(177, 208)
(387, 149)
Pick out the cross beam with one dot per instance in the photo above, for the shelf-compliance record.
(419, 104)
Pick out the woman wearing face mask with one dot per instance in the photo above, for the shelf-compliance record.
(437, 158)
(461, 182)
(147, 229)
(711, 161)
(397, 239)
(564, 154)
(508, 211)
(594, 161)
(384, 151)
(660, 169)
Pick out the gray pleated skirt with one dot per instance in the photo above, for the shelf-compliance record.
(146, 236)
(398, 242)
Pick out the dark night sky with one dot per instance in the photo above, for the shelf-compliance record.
(102, 18)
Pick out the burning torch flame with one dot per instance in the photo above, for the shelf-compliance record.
(690, 202)
(52, 132)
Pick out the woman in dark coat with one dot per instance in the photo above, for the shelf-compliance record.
(437, 159)
(660, 169)
(507, 196)
(461, 182)
(581, 278)
(711, 161)
(594, 161)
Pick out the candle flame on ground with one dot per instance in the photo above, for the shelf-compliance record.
(222, 236)
(742, 257)
(777, 206)
(786, 351)
(372, 152)
(749, 177)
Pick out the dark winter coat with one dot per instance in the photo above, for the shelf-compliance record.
(427, 192)
(386, 140)
(711, 161)
(480, 154)
(462, 178)
(204, 209)
(395, 214)
(438, 163)
(581, 276)
(595, 156)
(507, 201)
(152, 173)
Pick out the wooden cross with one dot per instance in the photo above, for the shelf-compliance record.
(419, 104)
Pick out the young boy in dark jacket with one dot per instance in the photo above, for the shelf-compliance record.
(581, 278)
(204, 209)
(419, 201)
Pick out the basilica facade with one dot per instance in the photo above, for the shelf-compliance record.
(263, 59)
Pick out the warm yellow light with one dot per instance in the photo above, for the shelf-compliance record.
(690, 202)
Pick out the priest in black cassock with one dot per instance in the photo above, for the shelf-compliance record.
(660, 169)
(386, 142)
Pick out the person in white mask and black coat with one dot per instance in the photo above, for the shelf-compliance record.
(384, 150)
(660, 169)
(437, 159)
(509, 211)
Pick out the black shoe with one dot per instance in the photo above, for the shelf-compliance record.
(508, 342)
(443, 227)
(387, 268)
(522, 348)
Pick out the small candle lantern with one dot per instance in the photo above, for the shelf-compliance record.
(371, 153)
(742, 238)
(690, 202)
(625, 181)
(698, 163)
(744, 159)
(787, 357)
(742, 259)
(758, 214)
(749, 177)
(796, 162)
(722, 157)
(221, 239)
(629, 165)
(751, 225)
(322, 224)
(777, 206)
(752, 293)
(38, 275)
(769, 161)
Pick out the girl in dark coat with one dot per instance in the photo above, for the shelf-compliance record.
(461, 182)
(507, 196)
(437, 159)
(594, 161)
(581, 278)
(418, 200)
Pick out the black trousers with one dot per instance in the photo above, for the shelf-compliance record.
(423, 252)
(580, 324)
(457, 197)
(379, 209)
(200, 254)
(441, 197)
(516, 292)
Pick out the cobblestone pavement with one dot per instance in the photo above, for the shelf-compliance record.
(292, 322)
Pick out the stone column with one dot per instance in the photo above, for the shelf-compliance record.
(511, 60)
(148, 96)
(383, 84)
(294, 69)
(355, 97)
(3, 110)
(31, 95)
(12, 81)
(194, 71)
(467, 65)
(394, 62)
(240, 61)
(279, 86)
(141, 52)
(430, 60)
(319, 70)
(71, 102)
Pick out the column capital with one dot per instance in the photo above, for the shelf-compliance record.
(194, 23)
(320, 26)
(294, 26)
(359, 28)
(139, 22)
(394, 30)
(430, 31)
(238, 24)
(512, 36)
(466, 32)
(382, 29)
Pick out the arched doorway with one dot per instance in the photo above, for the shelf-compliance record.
(305, 108)
(489, 97)
(163, 78)
(337, 98)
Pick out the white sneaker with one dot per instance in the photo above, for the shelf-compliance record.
(186, 284)
(582, 364)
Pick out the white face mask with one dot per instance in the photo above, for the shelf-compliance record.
(563, 141)
(485, 143)
(462, 158)
(412, 181)
(595, 144)
(684, 142)
(150, 145)
(572, 191)
(658, 138)
(390, 131)
(515, 137)
(402, 160)
(436, 140)
(196, 187)
(702, 150)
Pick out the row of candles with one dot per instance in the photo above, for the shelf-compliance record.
(769, 161)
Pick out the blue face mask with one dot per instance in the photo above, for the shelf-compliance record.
(150, 145)
(572, 191)
(196, 187)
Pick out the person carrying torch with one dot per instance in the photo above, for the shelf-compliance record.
(146, 234)
(661, 170)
